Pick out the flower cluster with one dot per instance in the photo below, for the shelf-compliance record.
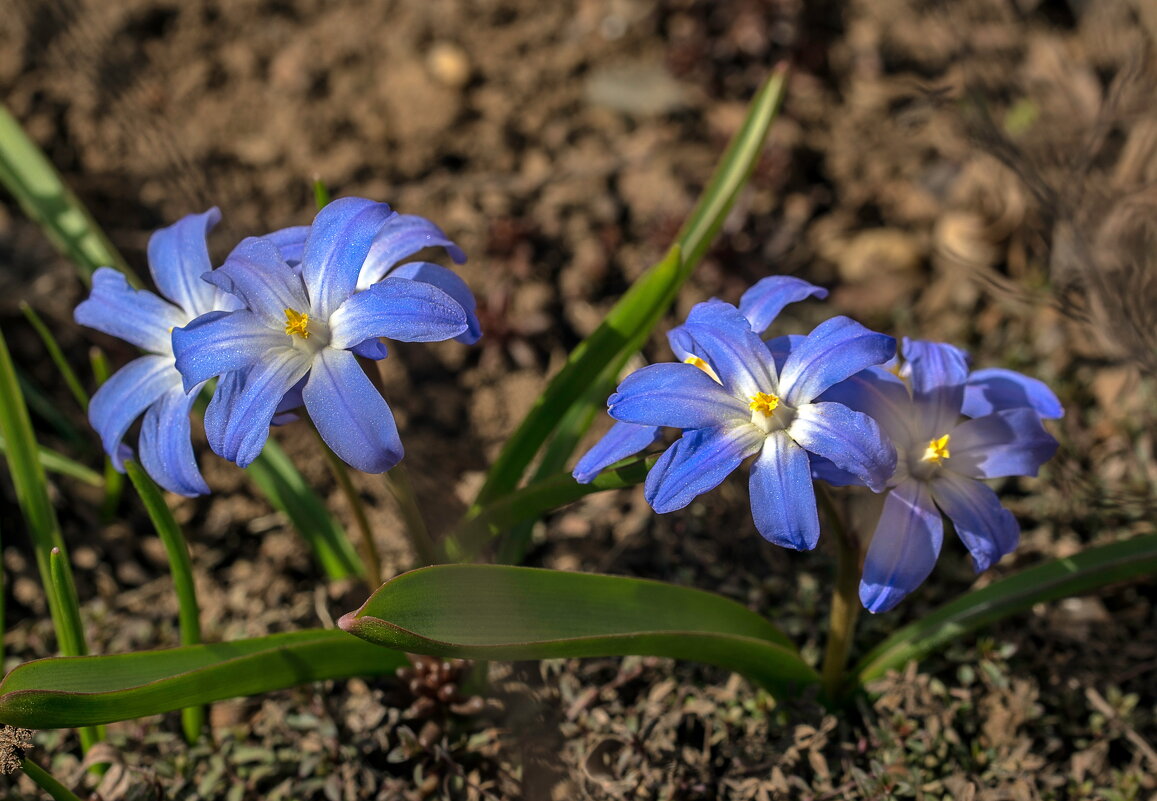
(280, 324)
(826, 406)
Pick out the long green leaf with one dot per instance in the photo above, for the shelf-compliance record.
(1059, 578)
(56, 354)
(86, 690)
(56, 462)
(632, 319)
(39, 190)
(502, 612)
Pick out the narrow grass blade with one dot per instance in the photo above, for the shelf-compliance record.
(502, 612)
(47, 782)
(277, 478)
(114, 480)
(1059, 578)
(39, 190)
(87, 690)
(632, 319)
(57, 355)
(56, 462)
(181, 566)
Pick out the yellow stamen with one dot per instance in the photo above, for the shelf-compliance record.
(937, 450)
(763, 402)
(296, 323)
(695, 361)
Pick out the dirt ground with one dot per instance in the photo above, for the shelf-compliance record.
(977, 171)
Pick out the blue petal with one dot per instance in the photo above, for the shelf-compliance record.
(247, 424)
(179, 256)
(1008, 443)
(134, 315)
(836, 349)
(220, 342)
(229, 386)
(938, 373)
(783, 499)
(823, 470)
(995, 389)
(350, 415)
(373, 349)
(766, 299)
(904, 547)
(290, 242)
(737, 355)
(402, 236)
(715, 313)
(339, 241)
(453, 285)
(122, 398)
(623, 440)
(166, 446)
(676, 395)
(851, 440)
(397, 308)
(879, 394)
(696, 463)
(781, 347)
(988, 530)
(256, 273)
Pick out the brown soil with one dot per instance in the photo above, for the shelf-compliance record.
(976, 171)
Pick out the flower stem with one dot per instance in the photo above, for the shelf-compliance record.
(370, 555)
(845, 601)
(47, 782)
(398, 481)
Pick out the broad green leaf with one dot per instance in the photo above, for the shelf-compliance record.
(39, 190)
(277, 478)
(602, 355)
(86, 690)
(1059, 578)
(503, 612)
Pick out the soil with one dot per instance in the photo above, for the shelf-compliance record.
(977, 171)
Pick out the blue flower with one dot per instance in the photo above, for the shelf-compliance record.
(951, 430)
(302, 323)
(151, 385)
(734, 401)
(760, 305)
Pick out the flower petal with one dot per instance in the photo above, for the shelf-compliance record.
(696, 463)
(220, 342)
(247, 424)
(904, 548)
(676, 395)
(879, 394)
(850, 440)
(229, 386)
(781, 347)
(402, 236)
(290, 241)
(995, 389)
(373, 349)
(122, 398)
(988, 530)
(134, 315)
(350, 414)
(339, 241)
(763, 302)
(256, 273)
(397, 308)
(179, 256)
(713, 312)
(737, 355)
(938, 373)
(453, 285)
(167, 447)
(783, 499)
(1008, 443)
(836, 349)
(623, 440)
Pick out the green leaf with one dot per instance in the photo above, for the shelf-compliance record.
(502, 612)
(602, 355)
(56, 462)
(277, 478)
(39, 190)
(1059, 578)
(87, 690)
(57, 355)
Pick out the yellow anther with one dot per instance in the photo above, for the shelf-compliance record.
(695, 361)
(296, 323)
(763, 402)
(937, 450)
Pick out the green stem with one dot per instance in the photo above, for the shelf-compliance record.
(845, 600)
(56, 354)
(371, 557)
(398, 482)
(46, 781)
(114, 480)
(71, 631)
(181, 567)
